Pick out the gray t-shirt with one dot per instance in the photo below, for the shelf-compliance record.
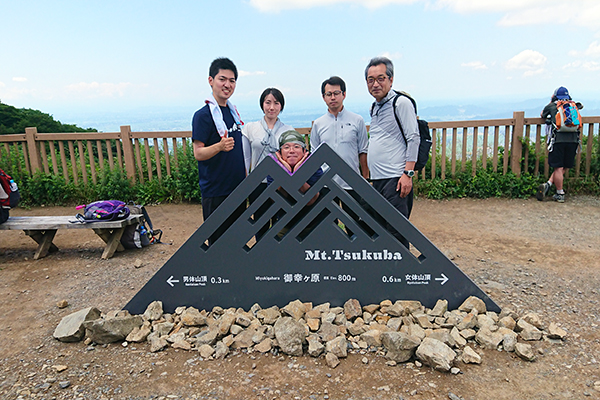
(388, 151)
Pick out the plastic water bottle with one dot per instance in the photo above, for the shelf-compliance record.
(13, 186)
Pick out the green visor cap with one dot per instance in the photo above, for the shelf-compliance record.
(291, 137)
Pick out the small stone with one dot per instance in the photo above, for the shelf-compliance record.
(265, 346)
(332, 360)
(365, 360)
(182, 344)
(64, 384)
(556, 332)
(455, 371)
(436, 354)
(440, 308)
(524, 351)
(527, 331)
(469, 356)
(473, 303)
(206, 351)
(62, 304)
(138, 263)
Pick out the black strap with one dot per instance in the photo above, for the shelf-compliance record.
(398, 94)
(147, 218)
(156, 234)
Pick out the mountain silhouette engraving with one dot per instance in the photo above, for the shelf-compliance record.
(278, 249)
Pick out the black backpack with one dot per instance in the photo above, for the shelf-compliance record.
(425, 145)
(142, 234)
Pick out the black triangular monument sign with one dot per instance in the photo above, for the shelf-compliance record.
(279, 249)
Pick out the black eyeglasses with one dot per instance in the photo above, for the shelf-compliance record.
(329, 94)
(380, 79)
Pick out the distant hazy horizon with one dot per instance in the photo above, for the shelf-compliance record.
(178, 118)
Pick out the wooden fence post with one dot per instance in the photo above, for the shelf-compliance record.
(128, 151)
(517, 145)
(33, 149)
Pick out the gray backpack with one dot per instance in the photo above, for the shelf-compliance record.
(141, 234)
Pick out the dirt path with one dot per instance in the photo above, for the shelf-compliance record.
(527, 255)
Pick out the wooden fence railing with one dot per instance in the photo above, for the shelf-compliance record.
(456, 144)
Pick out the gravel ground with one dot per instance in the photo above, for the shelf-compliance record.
(527, 255)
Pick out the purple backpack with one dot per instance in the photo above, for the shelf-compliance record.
(103, 210)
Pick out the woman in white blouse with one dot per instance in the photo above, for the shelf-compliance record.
(261, 138)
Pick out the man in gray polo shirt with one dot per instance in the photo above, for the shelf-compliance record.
(391, 159)
(344, 131)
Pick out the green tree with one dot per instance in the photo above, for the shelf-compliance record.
(15, 120)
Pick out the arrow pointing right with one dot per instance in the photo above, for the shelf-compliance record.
(171, 281)
(444, 279)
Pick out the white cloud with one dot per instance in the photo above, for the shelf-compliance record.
(474, 65)
(531, 61)
(19, 79)
(95, 89)
(391, 56)
(515, 12)
(531, 12)
(2, 84)
(584, 65)
(593, 50)
(249, 73)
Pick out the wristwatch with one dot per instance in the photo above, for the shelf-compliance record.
(409, 172)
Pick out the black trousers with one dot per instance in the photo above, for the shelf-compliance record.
(3, 214)
(387, 188)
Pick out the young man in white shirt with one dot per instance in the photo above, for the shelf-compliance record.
(344, 131)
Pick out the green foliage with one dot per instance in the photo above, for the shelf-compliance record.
(484, 184)
(186, 176)
(115, 185)
(15, 120)
(42, 189)
(439, 189)
(587, 185)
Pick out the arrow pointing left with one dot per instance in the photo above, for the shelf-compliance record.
(171, 281)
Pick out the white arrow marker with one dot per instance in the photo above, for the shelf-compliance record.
(171, 281)
(444, 279)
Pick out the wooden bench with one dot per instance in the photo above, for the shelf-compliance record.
(43, 229)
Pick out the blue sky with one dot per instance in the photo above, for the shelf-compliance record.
(65, 57)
